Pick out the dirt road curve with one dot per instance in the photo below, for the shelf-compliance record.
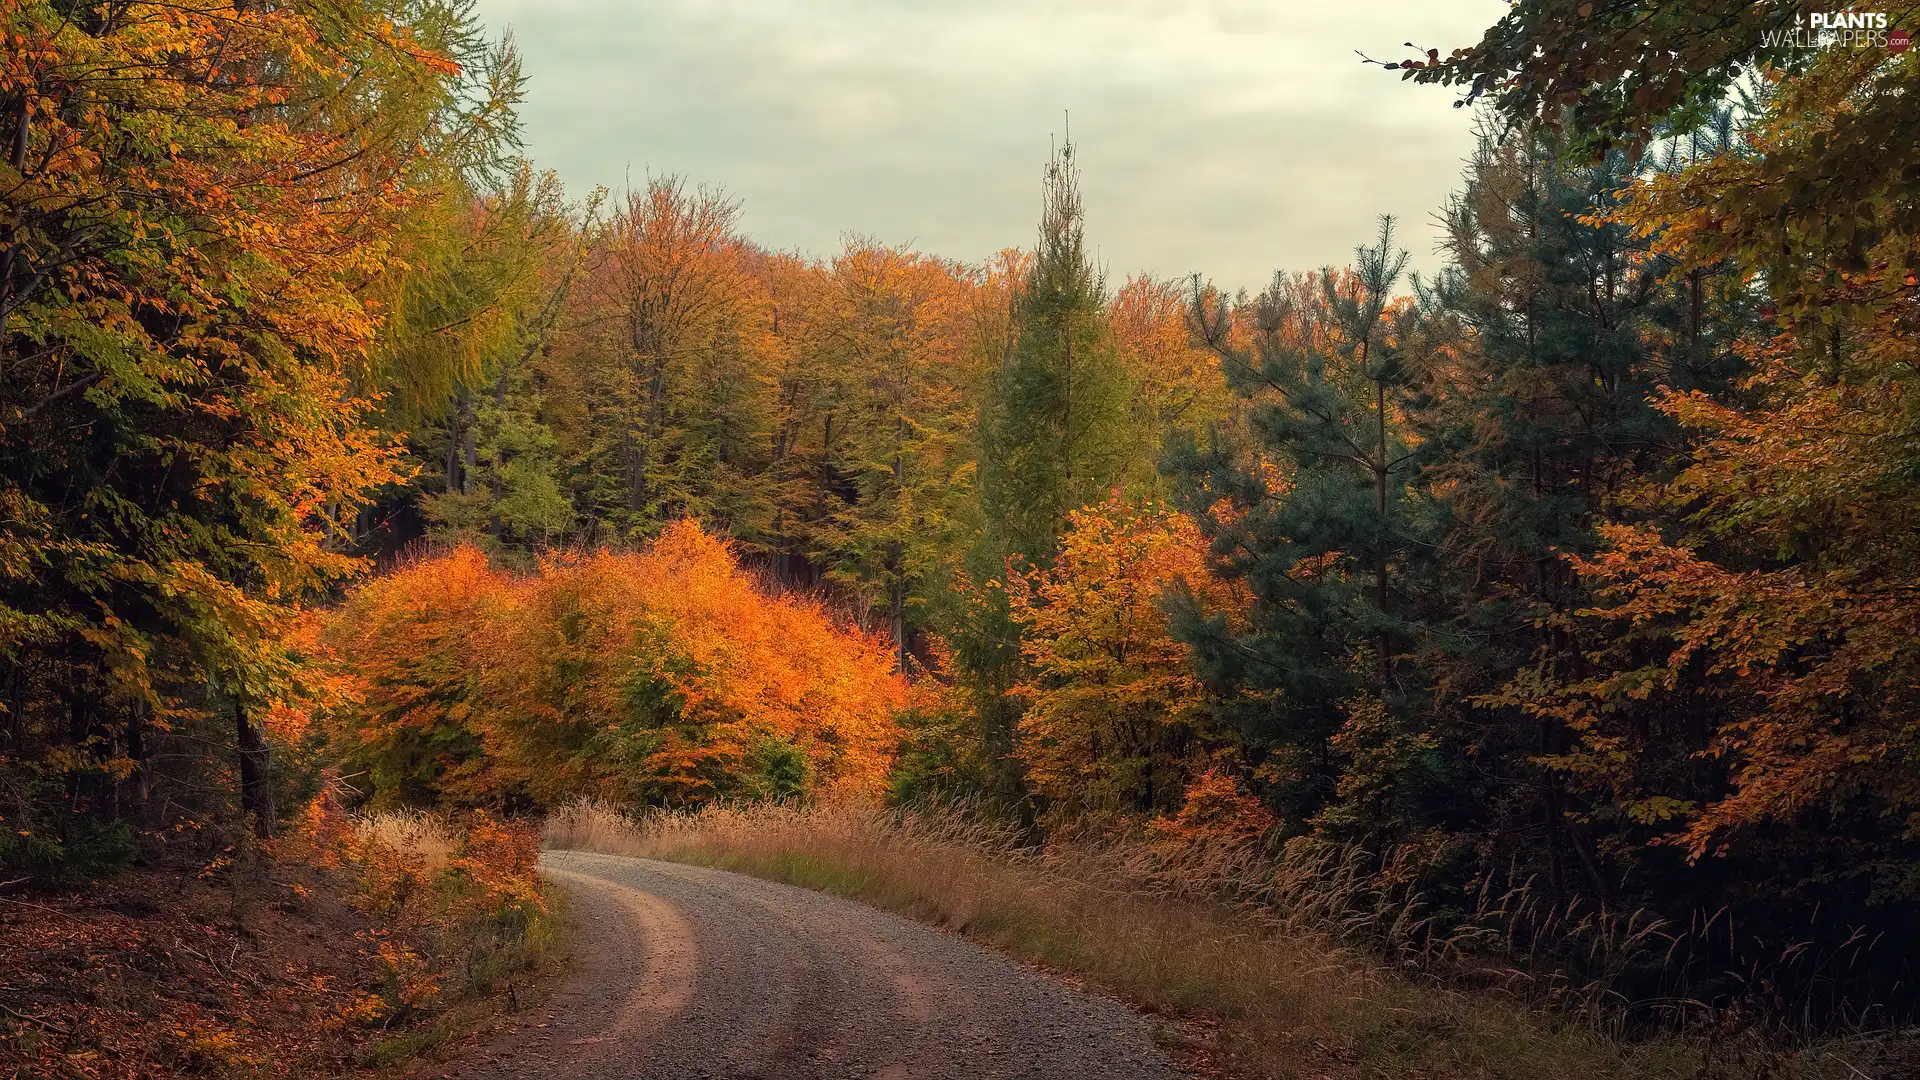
(682, 973)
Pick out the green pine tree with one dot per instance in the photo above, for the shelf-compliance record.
(1320, 518)
(1057, 432)
(1057, 429)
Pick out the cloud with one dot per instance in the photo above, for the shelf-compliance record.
(1223, 136)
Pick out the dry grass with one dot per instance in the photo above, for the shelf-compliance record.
(416, 833)
(1290, 1000)
(472, 925)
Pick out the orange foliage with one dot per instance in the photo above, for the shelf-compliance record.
(210, 195)
(404, 665)
(151, 975)
(661, 676)
(442, 893)
(1177, 381)
(288, 960)
(1789, 609)
(1116, 719)
(1217, 810)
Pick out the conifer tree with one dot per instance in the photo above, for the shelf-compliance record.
(1316, 513)
(1055, 428)
(1537, 431)
(1055, 435)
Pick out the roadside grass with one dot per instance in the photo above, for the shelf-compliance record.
(1289, 1001)
(502, 978)
(469, 928)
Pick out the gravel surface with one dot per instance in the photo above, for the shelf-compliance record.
(682, 972)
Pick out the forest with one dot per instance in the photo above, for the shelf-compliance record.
(347, 454)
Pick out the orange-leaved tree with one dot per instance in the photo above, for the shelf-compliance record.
(407, 649)
(1750, 679)
(1177, 381)
(1781, 623)
(1116, 719)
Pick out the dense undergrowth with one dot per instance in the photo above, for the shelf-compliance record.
(1272, 950)
(463, 921)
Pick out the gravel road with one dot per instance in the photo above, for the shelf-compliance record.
(682, 973)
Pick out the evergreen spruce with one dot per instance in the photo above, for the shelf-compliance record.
(1056, 430)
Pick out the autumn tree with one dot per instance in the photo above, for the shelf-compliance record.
(406, 646)
(197, 197)
(1626, 75)
(1055, 434)
(672, 324)
(661, 677)
(887, 326)
(492, 469)
(1177, 381)
(1116, 717)
(466, 254)
(807, 396)
(1733, 710)
(1747, 374)
(1776, 622)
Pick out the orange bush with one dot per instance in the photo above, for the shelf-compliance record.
(663, 676)
(1218, 811)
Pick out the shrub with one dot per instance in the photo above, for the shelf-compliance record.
(664, 676)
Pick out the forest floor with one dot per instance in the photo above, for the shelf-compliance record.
(1234, 994)
(164, 973)
(251, 966)
(687, 972)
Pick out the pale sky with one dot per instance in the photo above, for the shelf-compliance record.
(1230, 137)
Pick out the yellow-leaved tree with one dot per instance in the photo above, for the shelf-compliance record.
(195, 198)
(1116, 720)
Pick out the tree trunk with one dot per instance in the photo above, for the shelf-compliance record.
(469, 454)
(141, 779)
(17, 157)
(1380, 506)
(897, 605)
(896, 552)
(1066, 431)
(642, 438)
(451, 463)
(256, 799)
(80, 706)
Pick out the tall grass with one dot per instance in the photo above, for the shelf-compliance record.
(1278, 973)
(468, 918)
(414, 834)
(1510, 939)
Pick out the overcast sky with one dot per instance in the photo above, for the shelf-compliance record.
(1228, 137)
